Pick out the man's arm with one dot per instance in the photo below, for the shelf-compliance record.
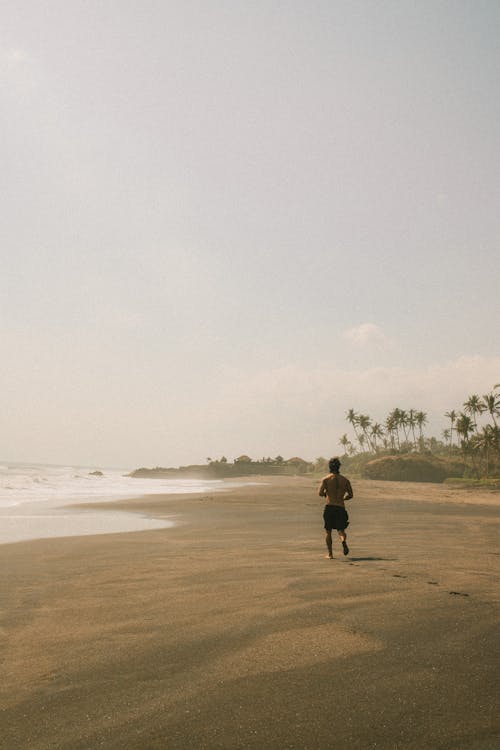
(322, 489)
(348, 490)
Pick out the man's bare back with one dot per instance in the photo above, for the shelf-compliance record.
(336, 488)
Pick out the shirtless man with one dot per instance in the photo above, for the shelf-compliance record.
(336, 488)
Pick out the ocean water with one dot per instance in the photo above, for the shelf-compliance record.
(21, 483)
(37, 501)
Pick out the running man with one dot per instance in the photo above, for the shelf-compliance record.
(336, 488)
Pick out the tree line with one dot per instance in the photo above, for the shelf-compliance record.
(403, 431)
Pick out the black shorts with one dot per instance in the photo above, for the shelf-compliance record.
(335, 517)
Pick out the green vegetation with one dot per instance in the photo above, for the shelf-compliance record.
(397, 449)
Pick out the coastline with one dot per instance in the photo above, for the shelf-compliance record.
(56, 515)
(231, 630)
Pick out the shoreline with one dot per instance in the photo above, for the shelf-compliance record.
(231, 630)
(59, 517)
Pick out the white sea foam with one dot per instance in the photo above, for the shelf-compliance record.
(21, 483)
(36, 500)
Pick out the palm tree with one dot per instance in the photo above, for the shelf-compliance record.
(465, 428)
(452, 416)
(344, 442)
(492, 405)
(376, 432)
(364, 422)
(391, 429)
(485, 441)
(474, 406)
(446, 435)
(395, 420)
(403, 422)
(352, 418)
(412, 423)
(421, 418)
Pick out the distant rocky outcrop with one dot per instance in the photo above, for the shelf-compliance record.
(412, 468)
(96, 473)
(242, 466)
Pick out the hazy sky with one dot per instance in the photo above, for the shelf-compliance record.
(226, 223)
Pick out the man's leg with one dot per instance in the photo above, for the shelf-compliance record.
(328, 539)
(343, 539)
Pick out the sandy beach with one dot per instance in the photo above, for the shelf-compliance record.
(232, 630)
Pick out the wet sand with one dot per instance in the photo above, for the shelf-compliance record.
(231, 629)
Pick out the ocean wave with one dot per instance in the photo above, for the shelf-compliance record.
(32, 483)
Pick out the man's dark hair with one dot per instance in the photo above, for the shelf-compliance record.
(334, 465)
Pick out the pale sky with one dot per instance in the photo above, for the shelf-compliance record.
(226, 223)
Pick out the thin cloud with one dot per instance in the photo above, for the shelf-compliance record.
(366, 334)
(442, 385)
(15, 56)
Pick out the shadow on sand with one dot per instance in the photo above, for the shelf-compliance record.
(372, 559)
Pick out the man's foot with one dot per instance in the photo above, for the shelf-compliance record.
(345, 548)
(329, 557)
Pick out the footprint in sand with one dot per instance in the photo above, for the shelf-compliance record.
(433, 583)
(398, 575)
(457, 593)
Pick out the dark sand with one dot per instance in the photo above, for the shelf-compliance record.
(232, 630)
